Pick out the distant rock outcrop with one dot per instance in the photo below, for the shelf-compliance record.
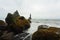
(29, 19)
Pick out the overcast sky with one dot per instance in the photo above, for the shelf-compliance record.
(49, 9)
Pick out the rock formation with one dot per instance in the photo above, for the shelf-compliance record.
(29, 19)
(51, 33)
(17, 23)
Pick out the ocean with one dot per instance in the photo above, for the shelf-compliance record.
(36, 22)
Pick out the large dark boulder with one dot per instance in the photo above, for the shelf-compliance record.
(46, 34)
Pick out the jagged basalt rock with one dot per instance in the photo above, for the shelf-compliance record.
(17, 23)
(14, 24)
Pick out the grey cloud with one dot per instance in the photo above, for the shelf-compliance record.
(44, 9)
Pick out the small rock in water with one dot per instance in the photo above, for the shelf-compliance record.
(42, 27)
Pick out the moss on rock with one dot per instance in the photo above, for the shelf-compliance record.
(46, 34)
